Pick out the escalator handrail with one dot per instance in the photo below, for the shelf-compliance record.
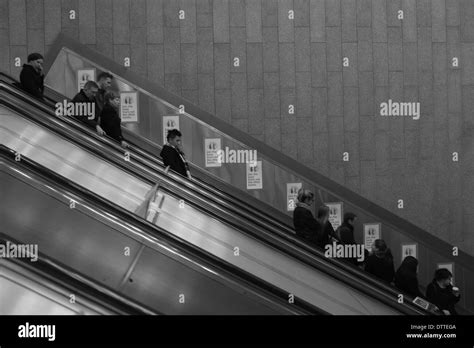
(144, 229)
(353, 281)
(92, 290)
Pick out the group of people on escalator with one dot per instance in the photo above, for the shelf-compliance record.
(106, 119)
(316, 231)
(379, 262)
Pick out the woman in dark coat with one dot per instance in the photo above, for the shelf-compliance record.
(306, 226)
(380, 262)
(110, 119)
(406, 278)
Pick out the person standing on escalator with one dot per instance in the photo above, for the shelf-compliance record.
(104, 81)
(32, 76)
(306, 226)
(173, 155)
(87, 95)
(109, 118)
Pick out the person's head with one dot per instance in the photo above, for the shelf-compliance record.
(380, 248)
(104, 80)
(90, 89)
(36, 61)
(323, 214)
(305, 196)
(350, 218)
(112, 98)
(409, 265)
(443, 276)
(174, 137)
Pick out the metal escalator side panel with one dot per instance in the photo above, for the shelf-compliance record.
(263, 261)
(90, 245)
(26, 293)
(70, 161)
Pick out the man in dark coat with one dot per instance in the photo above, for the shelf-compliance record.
(110, 120)
(306, 226)
(87, 95)
(380, 262)
(104, 81)
(172, 154)
(441, 293)
(32, 77)
(345, 233)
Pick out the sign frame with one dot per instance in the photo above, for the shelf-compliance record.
(207, 162)
(247, 173)
(288, 208)
(341, 218)
(78, 81)
(405, 246)
(123, 93)
(165, 130)
(364, 228)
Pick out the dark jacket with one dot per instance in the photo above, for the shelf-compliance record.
(110, 122)
(306, 226)
(382, 268)
(443, 298)
(345, 233)
(325, 234)
(82, 98)
(100, 99)
(406, 278)
(171, 157)
(31, 81)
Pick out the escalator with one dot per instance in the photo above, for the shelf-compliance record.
(276, 258)
(43, 287)
(107, 247)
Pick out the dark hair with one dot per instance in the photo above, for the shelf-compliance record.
(173, 133)
(104, 75)
(349, 216)
(34, 56)
(108, 96)
(442, 273)
(383, 251)
(304, 194)
(408, 266)
(323, 211)
(91, 84)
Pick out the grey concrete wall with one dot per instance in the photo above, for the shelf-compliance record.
(298, 62)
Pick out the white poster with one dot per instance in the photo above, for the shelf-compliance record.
(129, 106)
(84, 75)
(211, 148)
(254, 176)
(449, 266)
(291, 194)
(371, 233)
(409, 250)
(169, 123)
(335, 214)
